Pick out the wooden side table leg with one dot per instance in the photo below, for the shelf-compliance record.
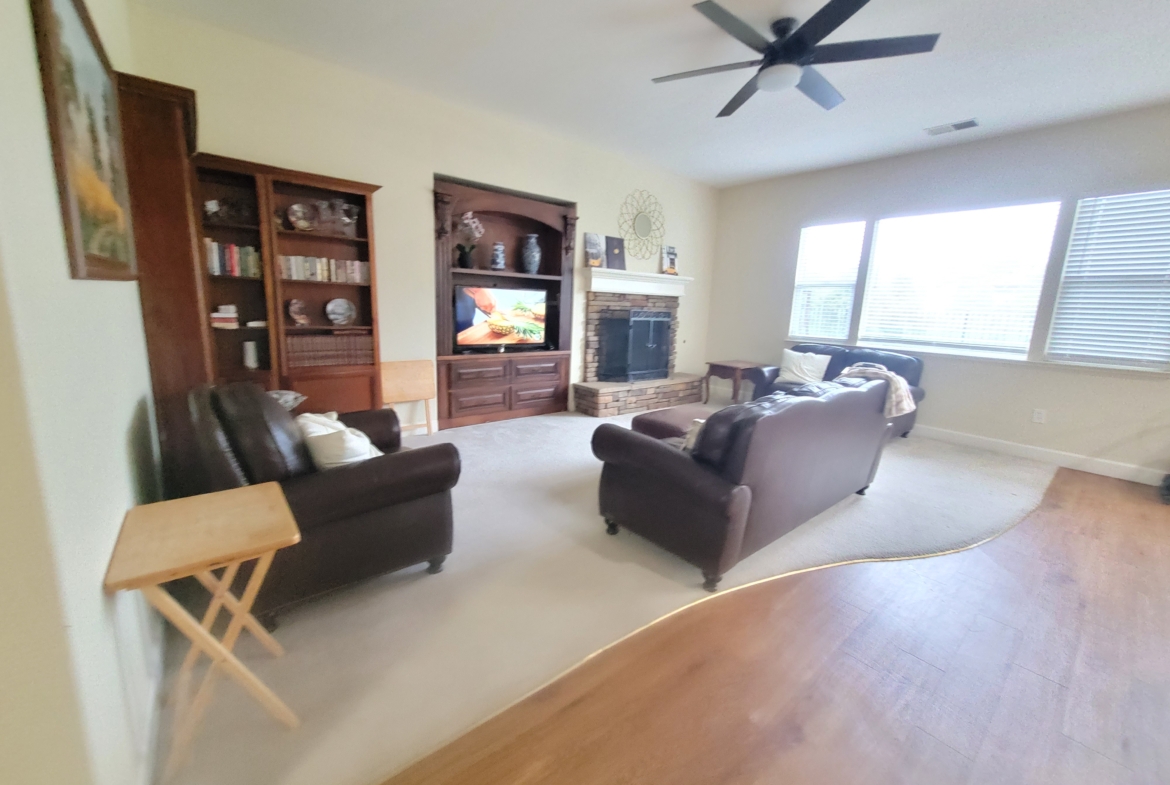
(178, 616)
(707, 387)
(212, 584)
(735, 385)
(183, 680)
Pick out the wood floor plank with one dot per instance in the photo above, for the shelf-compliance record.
(1041, 658)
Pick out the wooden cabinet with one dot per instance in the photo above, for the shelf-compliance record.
(474, 389)
(213, 232)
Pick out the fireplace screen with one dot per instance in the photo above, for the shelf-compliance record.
(634, 346)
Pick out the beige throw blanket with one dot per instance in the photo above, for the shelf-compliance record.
(899, 401)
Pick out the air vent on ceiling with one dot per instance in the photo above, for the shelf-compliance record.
(939, 130)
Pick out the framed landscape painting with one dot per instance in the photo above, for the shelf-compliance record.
(81, 99)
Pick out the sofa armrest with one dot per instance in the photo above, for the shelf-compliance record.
(762, 379)
(917, 393)
(664, 495)
(381, 425)
(396, 478)
(615, 445)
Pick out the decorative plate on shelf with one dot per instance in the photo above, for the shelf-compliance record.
(296, 311)
(341, 312)
(302, 217)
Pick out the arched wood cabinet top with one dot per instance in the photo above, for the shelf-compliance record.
(454, 197)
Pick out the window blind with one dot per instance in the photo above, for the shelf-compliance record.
(1114, 302)
(967, 280)
(826, 277)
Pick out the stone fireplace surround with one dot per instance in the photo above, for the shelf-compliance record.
(613, 292)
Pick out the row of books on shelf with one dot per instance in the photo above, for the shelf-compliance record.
(319, 268)
(234, 261)
(308, 351)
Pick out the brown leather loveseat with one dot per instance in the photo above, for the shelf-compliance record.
(356, 521)
(757, 471)
(909, 368)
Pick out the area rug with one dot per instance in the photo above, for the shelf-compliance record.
(386, 672)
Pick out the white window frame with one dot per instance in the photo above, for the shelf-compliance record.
(862, 265)
(1045, 310)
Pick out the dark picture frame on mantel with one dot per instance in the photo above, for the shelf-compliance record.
(81, 105)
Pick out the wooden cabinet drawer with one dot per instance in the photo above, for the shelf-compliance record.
(464, 374)
(485, 401)
(524, 397)
(536, 368)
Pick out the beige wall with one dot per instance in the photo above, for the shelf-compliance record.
(264, 103)
(1121, 417)
(79, 671)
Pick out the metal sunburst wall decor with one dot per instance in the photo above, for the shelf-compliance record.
(642, 224)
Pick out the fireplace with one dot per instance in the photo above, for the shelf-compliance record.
(634, 345)
(631, 340)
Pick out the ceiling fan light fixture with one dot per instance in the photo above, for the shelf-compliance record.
(778, 78)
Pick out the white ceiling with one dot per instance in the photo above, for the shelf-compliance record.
(583, 69)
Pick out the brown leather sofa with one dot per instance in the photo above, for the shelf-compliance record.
(909, 368)
(757, 471)
(356, 521)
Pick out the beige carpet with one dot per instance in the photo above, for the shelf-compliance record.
(386, 672)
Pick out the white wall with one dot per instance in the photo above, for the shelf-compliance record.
(75, 398)
(264, 103)
(1118, 417)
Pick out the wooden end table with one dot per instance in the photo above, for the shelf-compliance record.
(193, 537)
(727, 369)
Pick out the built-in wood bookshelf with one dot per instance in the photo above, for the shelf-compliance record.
(335, 366)
(170, 184)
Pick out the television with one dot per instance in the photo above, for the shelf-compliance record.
(499, 318)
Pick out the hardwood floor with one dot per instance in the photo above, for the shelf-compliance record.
(1040, 657)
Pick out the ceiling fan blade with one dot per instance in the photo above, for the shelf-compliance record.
(818, 88)
(874, 48)
(745, 92)
(834, 14)
(718, 69)
(733, 25)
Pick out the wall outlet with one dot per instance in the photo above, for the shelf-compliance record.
(1040, 416)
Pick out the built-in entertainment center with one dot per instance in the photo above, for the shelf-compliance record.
(503, 310)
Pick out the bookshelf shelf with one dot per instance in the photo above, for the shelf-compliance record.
(296, 282)
(459, 272)
(314, 235)
(209, 226)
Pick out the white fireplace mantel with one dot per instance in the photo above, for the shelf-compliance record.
(603, 279)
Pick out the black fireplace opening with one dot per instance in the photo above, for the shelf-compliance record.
(633, 345)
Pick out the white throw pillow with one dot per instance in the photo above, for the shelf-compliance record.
(332, 444)
(803, 368)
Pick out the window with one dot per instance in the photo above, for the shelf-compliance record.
(967, 280)
(1114, 302)
(826, 276)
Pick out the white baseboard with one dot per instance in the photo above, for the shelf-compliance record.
(1069, 460)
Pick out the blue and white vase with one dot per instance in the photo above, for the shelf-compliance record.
(499, 257)
(531, 255)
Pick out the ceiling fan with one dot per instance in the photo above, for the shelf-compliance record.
(788, 61)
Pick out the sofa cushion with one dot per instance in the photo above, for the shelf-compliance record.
(331, 443)
(724, 428)
(803, 367)
(262, 433)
